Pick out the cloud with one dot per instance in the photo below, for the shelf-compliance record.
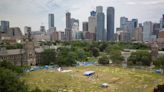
(34, 12)
(152, 2)
(131, 3)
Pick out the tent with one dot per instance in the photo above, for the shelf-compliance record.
(104, 85)
(89, 73)
(159, 71)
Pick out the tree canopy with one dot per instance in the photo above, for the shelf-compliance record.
(140, 58)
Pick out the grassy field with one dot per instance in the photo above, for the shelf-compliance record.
(119, 80)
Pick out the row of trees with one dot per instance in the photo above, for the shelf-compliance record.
(140, 58)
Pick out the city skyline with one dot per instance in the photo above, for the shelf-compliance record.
(34, 13)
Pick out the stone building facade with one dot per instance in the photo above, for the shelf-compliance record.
(27, 56)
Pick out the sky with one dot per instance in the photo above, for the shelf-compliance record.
(34, 13)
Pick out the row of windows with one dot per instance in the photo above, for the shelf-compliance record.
(10, 57)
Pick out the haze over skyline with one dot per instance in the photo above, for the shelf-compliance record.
(34, 13)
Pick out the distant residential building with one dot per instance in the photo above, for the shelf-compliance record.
(100, 19)
(15, 33)
(124, 36)
(147, 31)
(51, 21)
(161, 33)
(12, 36)
(42, 29)
(79, 35)
(55, 36)
(85, 26)
(110, 23)
(138, 34)
(156, 29)
(4, 26)
(61, 35)
(50, 32)
(27, 31)
(40, 36)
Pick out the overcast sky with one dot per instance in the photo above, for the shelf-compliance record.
(34, 13)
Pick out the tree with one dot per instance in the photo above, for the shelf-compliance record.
(9, 82)
(48, 57)
(140, 58)
(95, 52)
(104, 60)
(103, 46)
(10, 66)
(66, 57)
(159, 88)
(116, 57)
(159, 62)
(115, 47)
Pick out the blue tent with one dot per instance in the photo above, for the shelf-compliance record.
(158, 71)
(46, 67)
(89, 73)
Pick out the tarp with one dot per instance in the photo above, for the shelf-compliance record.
(89, 73)
(86, 63)
(104, 85)
(158, 71)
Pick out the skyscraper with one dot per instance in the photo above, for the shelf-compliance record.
(163, 21)
(92, 25)
(100, 29)
(135, 23)
(134, 26)
(68, 20)
(99, 9)
(51, 21)
(156, 29)
(4, 26)
(110, 23)
(92, 22)
(68, 31)
(147, 31)
(123, 21)
(85, 26)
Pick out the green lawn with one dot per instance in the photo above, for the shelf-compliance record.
(119, 79)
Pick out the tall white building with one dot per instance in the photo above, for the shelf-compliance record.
(147, 31)
(92, 24)
(74, 27)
